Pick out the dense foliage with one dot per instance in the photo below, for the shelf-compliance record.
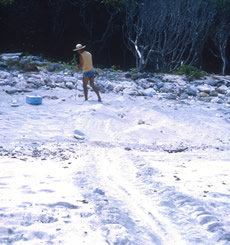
(147, 34)
(5, 2)
(190, 72)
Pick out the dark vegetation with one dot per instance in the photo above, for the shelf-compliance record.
(190, 72)
(156, 35)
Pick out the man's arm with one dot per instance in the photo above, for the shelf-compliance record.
(79, 67)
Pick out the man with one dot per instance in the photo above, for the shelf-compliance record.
(86, 64)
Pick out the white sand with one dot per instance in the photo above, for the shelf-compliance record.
(138, 171)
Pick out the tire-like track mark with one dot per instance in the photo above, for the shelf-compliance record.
(128, 207)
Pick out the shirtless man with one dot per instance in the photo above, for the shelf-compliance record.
(86, 64)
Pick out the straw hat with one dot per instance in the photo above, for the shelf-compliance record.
(78, 47)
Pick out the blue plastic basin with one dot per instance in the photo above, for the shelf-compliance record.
(33, 99)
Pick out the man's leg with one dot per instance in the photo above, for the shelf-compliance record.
(91, 79)
(85, 83)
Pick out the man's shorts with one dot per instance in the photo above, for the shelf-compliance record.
(89, 74)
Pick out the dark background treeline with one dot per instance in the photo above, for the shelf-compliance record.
(52, 28)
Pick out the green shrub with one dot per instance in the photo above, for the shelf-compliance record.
(73, 62)
(190, 72)
(67, 66)
(133, 70)
(10, 63)
(115, 68)
(5, 2)
(70, 65)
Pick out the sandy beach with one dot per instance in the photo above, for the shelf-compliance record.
(130, 170)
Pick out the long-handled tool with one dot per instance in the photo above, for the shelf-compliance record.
(75, 88)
